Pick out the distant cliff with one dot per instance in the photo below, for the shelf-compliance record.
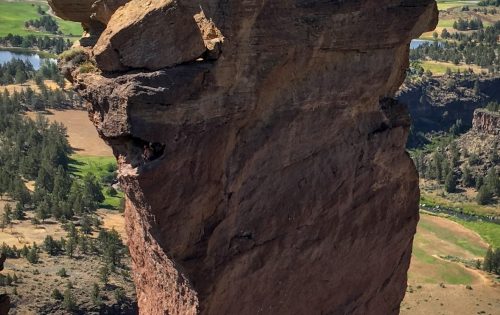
(486, 122)
(436, 104)
(259, 147)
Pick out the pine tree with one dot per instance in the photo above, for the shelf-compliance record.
(477, 90)
(32, 256)
(19, 212)
(485, 195)
(57, 295)
(467, 179)
(493, 181)
(69, 302)
(7, 215)
(488, 263)
(450, 184)
(71, 247)
(43, 211)
(104, 274)
(96, 295)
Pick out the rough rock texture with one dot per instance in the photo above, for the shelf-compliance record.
(102, 10)
(93, 14)
(150, 25)
(274, 179)
(486, 122)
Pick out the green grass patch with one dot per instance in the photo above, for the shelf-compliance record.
(440, 68)
(446, 23)
(13, 15)
(449, 236)
(448, 4)
(100, 167)
(490, 232)
(442, 271)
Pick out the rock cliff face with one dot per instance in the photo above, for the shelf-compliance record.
(486, 122)
(265, 173)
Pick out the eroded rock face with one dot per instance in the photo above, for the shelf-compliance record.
(486, 122)
(273, 179)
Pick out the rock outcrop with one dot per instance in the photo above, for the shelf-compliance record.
(4, 298)
(268, 176)
(486, 122)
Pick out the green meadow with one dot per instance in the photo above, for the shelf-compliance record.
(13, 15)
(100, 167)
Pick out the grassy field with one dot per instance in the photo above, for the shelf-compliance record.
(439, 68)
(450, 11)
(437, 237)
(437, 285)
(490, 232)
(81, 133)
(13, 15)
(449, 4)
(99, 166)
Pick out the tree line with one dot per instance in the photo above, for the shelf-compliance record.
(45, 23)
(491, 262)
(478, 48)
(36, 150)
(468, 25)
(17, 71)
(54, 45)
(450, 167)
(485, 3)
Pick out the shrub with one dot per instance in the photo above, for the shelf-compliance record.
(57, 295)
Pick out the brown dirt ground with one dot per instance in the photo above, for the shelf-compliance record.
(431, 299)
(82, 134)
(24, 233)
(31, 84)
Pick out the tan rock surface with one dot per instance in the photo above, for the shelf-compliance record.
(166, 32)
(274, 179)
(102, 10)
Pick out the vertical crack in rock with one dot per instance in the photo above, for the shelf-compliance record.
(270, 175)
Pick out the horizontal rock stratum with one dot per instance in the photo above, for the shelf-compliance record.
(265, 171)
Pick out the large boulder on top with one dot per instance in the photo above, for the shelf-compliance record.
(149, 34)
(102, 10)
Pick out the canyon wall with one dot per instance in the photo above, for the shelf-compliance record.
(260, 150)
(486, 122)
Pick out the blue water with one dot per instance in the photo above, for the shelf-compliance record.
(419, 42)
(34, 59)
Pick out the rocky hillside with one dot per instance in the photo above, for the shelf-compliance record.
(437, 103)
(261, 153)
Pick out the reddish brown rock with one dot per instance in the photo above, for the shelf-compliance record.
(273, 180)
(486, 122)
